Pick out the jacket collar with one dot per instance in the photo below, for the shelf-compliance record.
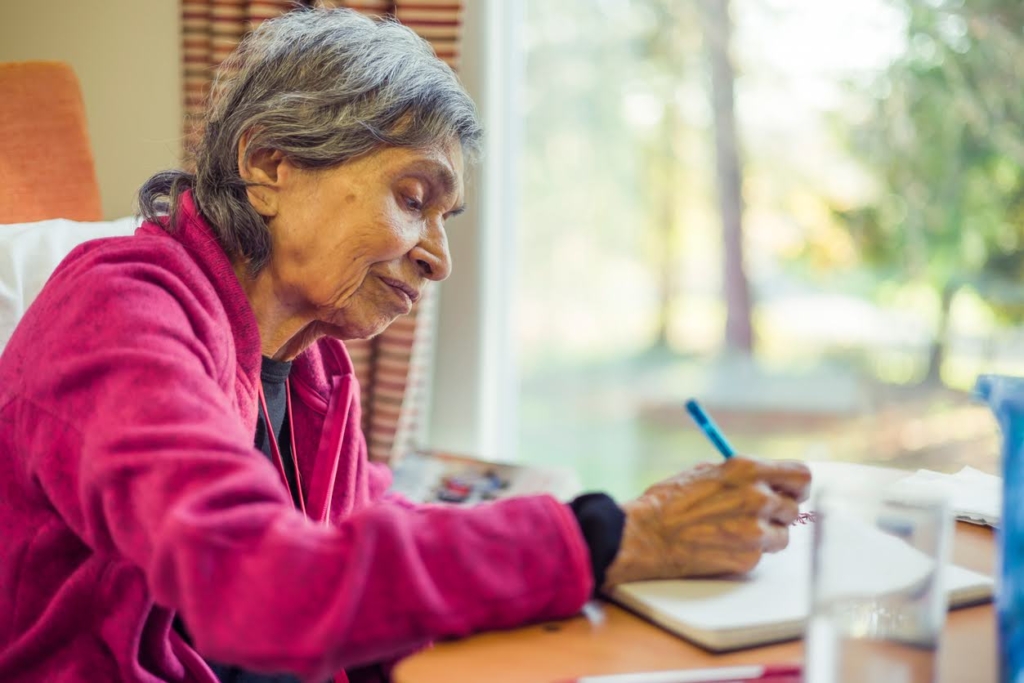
(315, 366)
(196, 236)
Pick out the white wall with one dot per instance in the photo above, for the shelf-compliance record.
(127, 55)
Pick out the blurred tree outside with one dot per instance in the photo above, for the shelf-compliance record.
(788, 172)
(717, 28)
(666, 45)
(944, 142)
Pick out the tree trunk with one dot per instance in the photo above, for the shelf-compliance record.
(938, 350)
(717, 32)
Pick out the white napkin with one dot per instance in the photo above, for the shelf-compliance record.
(974, 496)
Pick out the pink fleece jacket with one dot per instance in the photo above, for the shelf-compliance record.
(130, 490)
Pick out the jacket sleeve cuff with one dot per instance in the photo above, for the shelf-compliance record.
(601, 522)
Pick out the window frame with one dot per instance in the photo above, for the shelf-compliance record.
(473, 400)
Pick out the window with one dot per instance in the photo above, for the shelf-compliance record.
(843, 308)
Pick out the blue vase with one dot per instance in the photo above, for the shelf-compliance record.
(1005, 396)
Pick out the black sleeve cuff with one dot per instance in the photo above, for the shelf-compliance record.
(601, 522)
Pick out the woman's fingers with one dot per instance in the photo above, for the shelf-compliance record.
(754, 516)
(750, 500)
(713, 519)
(775, 536)
(783, 510)
(789, 478)
(753, 500)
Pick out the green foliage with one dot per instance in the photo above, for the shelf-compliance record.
(945, 140)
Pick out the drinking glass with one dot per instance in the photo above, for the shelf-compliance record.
(878, 603)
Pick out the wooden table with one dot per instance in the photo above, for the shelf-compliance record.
(625, 643)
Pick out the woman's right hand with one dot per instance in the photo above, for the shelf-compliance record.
(712, 519)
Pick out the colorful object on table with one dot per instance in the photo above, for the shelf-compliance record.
(461, 488)
(773, 673)
(1005, 396)
(454, 490)
(709, 428)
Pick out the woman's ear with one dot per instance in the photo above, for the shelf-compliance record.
(260, 169)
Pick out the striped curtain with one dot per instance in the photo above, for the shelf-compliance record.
(393, 367)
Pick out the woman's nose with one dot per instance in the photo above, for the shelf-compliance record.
(431, 255)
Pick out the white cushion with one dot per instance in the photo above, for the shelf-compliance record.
(29, 253)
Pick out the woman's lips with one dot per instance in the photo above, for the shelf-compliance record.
(407, 291)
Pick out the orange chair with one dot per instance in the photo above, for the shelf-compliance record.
(46, 164)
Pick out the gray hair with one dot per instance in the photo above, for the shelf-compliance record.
(322, 86)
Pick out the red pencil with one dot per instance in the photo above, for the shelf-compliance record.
(773, 673)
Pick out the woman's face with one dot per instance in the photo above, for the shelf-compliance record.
(354, 246)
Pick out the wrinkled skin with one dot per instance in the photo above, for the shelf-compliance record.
(710, 520)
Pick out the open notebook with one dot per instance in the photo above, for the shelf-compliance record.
(772, 603)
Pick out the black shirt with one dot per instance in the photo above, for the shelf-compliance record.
(273, 375)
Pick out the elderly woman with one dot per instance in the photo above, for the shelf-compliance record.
(145, 538)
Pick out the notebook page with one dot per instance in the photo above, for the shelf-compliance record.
(773, 601)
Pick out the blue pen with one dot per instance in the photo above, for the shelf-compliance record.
(709, 428)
